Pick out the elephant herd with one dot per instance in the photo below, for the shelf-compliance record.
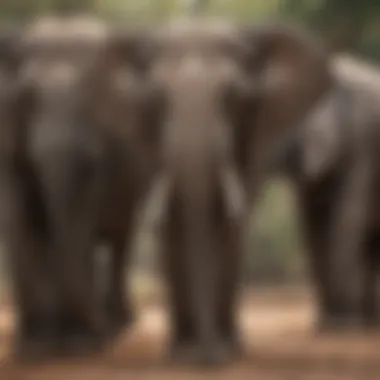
(99, 123)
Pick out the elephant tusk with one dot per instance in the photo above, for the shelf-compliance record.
(234, 193)
(156, 204)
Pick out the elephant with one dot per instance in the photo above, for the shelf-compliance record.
(225, 93)
(331, 162)
(77, 176)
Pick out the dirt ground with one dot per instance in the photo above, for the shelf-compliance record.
(279, 338)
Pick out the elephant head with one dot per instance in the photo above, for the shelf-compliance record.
(326, 137)
(321, 135)
(318, 144)
(227, 93)
(58, 54)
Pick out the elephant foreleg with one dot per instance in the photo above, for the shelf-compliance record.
(118, 302)
(34, 290)
(334, 312)
(231, 248)
(371, 297)
(72, 190)
(316, 224)
(348, 233)
(183, 332)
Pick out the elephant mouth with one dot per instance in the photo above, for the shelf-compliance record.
(156, 206)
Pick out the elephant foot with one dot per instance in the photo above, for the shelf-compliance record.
(372, 321)
(339, 323)
(117, 322)
(35, 349)
(235, 348)
(77, 338)
(196, 354)
(80, 345)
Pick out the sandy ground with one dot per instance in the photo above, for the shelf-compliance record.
(279, 338)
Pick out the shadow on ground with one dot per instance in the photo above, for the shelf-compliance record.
(279, 338)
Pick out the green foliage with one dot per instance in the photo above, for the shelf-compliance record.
(356, 21)
(274, 251)
(353, 23)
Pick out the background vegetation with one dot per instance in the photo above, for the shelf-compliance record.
(274, 246)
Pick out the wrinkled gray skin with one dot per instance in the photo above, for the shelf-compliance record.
(332, 163)
(226, 94)
(75, 182)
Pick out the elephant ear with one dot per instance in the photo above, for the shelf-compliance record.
(291, 72)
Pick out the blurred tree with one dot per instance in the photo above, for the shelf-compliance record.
(194, 6)
(69, 6)
(344, 24)
(21, 10)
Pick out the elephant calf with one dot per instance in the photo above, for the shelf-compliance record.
(333, 165)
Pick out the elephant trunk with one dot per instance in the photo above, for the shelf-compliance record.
(195, 194)
(196, 182)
